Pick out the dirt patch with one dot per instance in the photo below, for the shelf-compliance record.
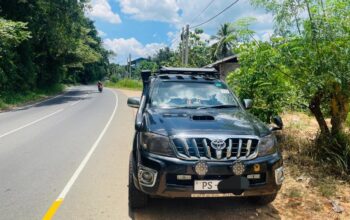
(308, 192)
(130, 93)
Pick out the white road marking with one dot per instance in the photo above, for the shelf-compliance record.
(74, 103)
(31, 123)
(87, 157)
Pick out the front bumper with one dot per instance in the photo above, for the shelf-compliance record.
(166, 183)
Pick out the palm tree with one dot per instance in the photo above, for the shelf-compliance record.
(225, 38)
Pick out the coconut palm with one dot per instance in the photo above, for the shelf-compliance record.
(224, 38)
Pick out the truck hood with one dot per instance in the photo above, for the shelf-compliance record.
(170, 122)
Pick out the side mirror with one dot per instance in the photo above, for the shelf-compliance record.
(277, 120)
(248, 103)
(134, 102)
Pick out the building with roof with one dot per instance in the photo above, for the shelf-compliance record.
(136, 62)
(225, 65)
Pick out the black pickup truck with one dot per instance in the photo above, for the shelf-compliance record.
(195, 138)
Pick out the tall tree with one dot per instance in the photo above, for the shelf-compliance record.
(64, 45)
(316, 49)
(225, 39)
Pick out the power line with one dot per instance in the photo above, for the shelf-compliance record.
(225, 9)
(206, 7)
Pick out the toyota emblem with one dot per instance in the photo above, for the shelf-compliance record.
(218, 144)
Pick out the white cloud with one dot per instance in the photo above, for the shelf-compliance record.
(174, 39)
(266, 35)
(170, 34)
(178, 13)
(151, 10)
(101, 9)
(263, 18)
(123, 47)
(101, 33)
(204, 37)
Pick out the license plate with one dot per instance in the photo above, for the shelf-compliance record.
(206, 185)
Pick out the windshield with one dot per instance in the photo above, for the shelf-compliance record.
(191, 95)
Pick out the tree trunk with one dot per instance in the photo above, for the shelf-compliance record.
(339, 109)
(315, 108)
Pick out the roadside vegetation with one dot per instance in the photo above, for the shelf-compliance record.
(44, 44)
(9, 100)
(132, 84)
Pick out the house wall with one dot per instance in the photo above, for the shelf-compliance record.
(226, 68)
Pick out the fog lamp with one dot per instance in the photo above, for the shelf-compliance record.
(256, 167)
(279, 175)
(201, 168)
(238, 168)
(147, 176)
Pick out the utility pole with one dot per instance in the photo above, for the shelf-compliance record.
(127, 68)
(129, 65)
(182, 46)
(186, 43)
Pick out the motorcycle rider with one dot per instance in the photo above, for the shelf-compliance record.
(99, 85)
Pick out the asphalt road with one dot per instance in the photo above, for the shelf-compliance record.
(68, 157)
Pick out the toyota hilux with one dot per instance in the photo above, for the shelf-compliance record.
(194, 138)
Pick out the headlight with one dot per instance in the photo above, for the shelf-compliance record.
(267, 145)
(157, 144)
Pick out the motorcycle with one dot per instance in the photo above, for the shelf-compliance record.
(100, 87)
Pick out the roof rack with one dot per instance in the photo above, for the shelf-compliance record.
(207, 72)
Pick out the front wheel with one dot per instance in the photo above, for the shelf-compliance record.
(263, 200)
(137, 199)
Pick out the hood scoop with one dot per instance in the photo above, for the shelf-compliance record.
(203, 118)
(174, 115)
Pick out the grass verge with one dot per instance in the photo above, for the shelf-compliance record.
(312, 189)
(131, 84)
(10, 99)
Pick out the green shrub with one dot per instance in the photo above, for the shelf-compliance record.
(114, 79)
(333, 153)
(126, 84)
(19, 98)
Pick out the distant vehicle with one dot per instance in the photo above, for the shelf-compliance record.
(194, 138)
(99, 86)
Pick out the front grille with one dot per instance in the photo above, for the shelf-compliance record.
(201, 148)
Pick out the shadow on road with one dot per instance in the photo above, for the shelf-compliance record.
(203, 209)
(70, 96)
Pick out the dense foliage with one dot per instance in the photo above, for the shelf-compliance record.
(262, 82)
(313, 48)
(44, 43)
(309, 54)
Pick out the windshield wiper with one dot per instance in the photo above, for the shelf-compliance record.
(183, 107)
(218, 106)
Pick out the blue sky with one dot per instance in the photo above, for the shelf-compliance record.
(141, 27)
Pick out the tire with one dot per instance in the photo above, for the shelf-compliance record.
(263, 200)
(137, 199)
